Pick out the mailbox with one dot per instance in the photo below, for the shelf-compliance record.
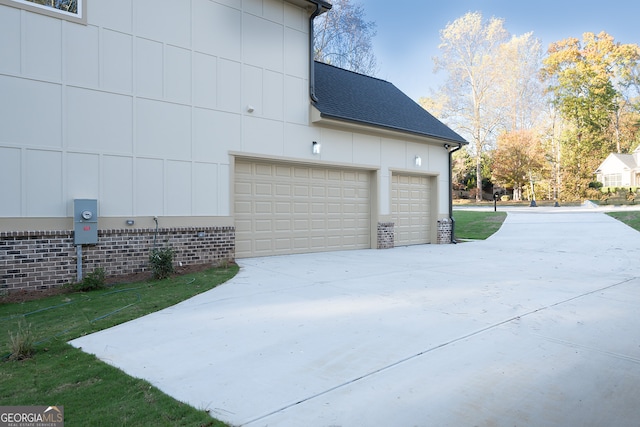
(85, 221)
(496, 195)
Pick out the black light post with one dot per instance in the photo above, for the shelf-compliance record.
(533, 191)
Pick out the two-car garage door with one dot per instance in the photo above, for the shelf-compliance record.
(283, 208)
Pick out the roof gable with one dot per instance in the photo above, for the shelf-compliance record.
(615, 161)
(348, 96)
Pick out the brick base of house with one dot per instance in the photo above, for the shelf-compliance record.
(386, 239)
(444, 231)
(36, 260)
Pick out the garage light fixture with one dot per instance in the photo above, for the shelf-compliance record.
(418, 161)
(316, 147)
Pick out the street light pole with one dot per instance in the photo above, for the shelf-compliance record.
(533, 191)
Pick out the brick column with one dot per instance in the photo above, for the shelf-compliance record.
(444, 231)
(385, 235)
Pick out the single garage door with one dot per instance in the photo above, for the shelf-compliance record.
(285, 208)
(410, 208)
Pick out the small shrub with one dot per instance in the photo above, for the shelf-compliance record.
(505, 198)
(161, 262)
(22, 343)
(93, 280)
(596, 184)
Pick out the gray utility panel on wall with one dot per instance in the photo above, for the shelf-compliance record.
(85, 221)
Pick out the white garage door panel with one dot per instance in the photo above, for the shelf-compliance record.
(283, 209)
(410, 208)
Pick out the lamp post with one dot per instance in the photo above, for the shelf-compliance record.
(533, 191)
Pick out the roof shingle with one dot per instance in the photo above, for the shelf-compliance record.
(353, 97)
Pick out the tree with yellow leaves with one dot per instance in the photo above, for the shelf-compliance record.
(582, 77)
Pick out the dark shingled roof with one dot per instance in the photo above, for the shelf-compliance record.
(345, 95)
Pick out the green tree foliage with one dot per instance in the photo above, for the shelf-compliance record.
(582, 79)
(344, 38)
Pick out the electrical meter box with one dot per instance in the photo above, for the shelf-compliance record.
(85, 221)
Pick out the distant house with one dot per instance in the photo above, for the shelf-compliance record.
(620, 170)
(207, 128)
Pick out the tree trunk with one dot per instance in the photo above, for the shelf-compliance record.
(479, 178)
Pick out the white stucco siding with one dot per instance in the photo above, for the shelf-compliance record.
(114, 15)
(10, 28)
(23, 100)
(43, 185)
(98, 121)
(82, 60)
(41, 44)
(386, 154)
(10, 170)
(162, 20)
(116, 64)
(116, 196)
(255, 31)
(141, 107)
(163, 130)
(217, 29)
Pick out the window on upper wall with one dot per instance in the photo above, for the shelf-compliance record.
(71, 10)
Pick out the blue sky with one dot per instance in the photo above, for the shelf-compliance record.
(408, 31)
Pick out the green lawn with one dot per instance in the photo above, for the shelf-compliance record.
(632, 218)
(474, 225)
(92, 392)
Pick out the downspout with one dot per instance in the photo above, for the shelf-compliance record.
(312, 74)
(453, 221)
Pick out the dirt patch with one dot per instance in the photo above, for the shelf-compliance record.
(24, 295)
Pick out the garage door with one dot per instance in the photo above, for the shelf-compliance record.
(410, 209)
(288, 208)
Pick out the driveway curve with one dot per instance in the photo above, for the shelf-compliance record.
(536, 326)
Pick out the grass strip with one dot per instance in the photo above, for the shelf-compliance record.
(474, 225)
(631, 218)
(92, 392)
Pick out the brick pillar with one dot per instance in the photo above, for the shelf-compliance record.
(385, 235)
(444, 231)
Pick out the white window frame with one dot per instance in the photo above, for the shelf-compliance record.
(79, 18)
(609, 177)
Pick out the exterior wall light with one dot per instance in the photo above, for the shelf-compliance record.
(418, 161)
(316, 147)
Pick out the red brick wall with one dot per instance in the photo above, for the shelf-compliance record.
(32, 260)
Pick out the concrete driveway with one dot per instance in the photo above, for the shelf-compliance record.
(536, 326)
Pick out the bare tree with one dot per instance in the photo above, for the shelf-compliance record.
(344, 38)
(519, 90)
(469, 47)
